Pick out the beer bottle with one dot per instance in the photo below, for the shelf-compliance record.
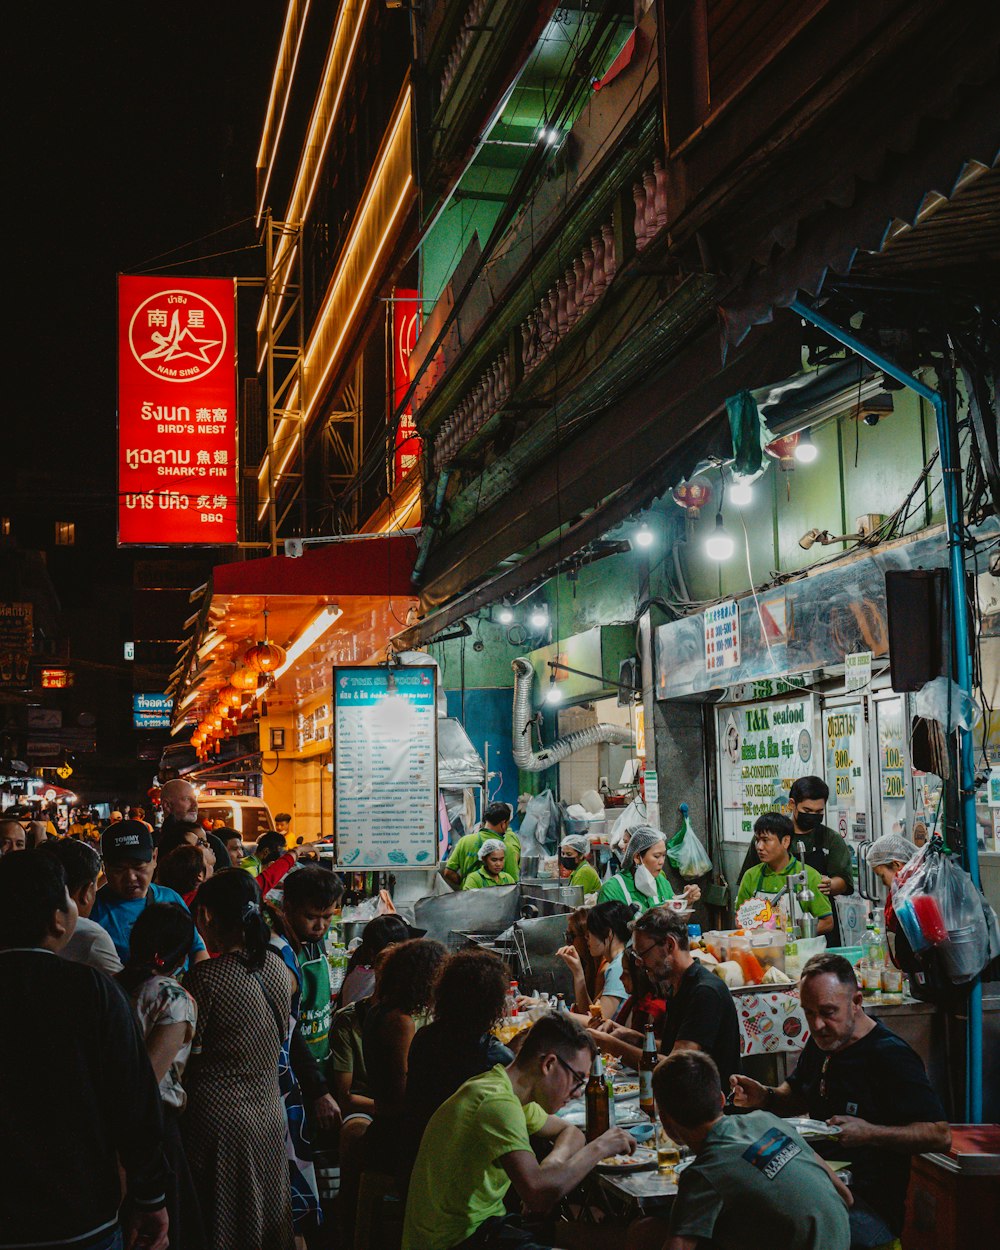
(598, 1102)
(647, 1104)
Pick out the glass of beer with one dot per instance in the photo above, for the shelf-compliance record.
(668, 1153)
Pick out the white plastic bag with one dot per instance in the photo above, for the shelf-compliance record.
(942, 700)
(685, 851)
(631, 817)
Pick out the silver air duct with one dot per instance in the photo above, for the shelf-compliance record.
(530, 761)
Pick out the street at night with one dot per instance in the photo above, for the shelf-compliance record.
(500, 627)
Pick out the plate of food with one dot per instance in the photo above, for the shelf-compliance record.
(638, 1161)
(809, 1128)
(626, 1089)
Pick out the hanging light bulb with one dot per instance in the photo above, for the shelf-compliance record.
(539, 616)
(644, 536)
(719, 545)
(806, 451)
(506, 615)
(741, 492)
(553, 694)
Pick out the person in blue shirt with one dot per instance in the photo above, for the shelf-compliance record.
(129, 856)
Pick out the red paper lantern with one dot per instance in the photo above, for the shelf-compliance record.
(783, 450)
(244, 679)
(264, 657)
(692, 497)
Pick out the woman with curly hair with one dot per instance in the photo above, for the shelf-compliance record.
(469, 997)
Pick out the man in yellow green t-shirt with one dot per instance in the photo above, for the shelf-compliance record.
(465, 857)
(476, 1144)
(772, 836)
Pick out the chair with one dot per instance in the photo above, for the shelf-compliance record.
(378, 1223)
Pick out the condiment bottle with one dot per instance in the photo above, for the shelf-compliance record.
(647, 1103)
(597, 1100)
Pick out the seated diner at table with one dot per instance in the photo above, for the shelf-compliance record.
(855, 1074)
(607, 936)
(700, 1012)
(642, 880)
(768, 881)
(490, 872)
(753, 1183)
(477, 1145)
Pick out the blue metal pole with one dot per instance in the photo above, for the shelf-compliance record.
(951, 471)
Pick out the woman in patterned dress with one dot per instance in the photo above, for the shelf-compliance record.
(234, 1126)
(159, 944)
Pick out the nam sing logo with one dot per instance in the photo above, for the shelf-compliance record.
(177, 336)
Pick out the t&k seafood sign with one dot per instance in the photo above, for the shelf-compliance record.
(176, 411)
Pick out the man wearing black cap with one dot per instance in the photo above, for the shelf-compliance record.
(129, 863)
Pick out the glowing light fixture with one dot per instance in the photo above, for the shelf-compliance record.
(719, 545)
(553, 694)
(539, 617)
(312, 633)
(644, 536)
(806, 451)
(505, 616)
(741, 492)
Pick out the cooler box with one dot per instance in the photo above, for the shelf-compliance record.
(954, 1199)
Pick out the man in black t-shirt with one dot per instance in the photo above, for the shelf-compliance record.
(701, 1014)
(856, 1074)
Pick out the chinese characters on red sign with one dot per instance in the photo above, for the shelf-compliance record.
(405, 328)
(176, 411)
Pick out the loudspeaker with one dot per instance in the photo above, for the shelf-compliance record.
(917, 615)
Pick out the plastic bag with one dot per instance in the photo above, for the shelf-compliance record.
(942, 700)
(938, 907)
(540, 825)
(686, 852)
(630, 818)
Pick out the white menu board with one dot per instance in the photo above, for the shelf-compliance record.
(385, 766)
(763, 748)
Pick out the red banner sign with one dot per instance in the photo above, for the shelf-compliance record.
(405, 328)
(177, 479)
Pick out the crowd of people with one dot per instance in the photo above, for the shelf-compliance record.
(183, 1062)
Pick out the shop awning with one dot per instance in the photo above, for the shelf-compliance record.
(338, 603)
(924, 133)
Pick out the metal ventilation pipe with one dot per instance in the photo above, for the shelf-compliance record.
(530, 761)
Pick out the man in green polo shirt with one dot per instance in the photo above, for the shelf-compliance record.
(772, 836)
(465, 857)
(817, 845)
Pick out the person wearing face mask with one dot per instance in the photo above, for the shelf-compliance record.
(643, 880)
(574, 856)
(815, 844)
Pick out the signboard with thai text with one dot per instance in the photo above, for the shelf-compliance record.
(385, 766)
(16, 644)
(177, 480)
(763, 747)
(151, 711)
(405, 328)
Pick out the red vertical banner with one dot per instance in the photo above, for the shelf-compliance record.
(177, 479)
(405, 328)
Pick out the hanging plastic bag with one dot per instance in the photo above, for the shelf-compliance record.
(539, 829)
(685, 851)
(630, 818)
(940, 909)
(947, 703)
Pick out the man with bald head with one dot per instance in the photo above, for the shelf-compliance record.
(179, 801)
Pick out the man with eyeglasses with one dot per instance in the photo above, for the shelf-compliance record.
(859, 1076)
(700, 1015)
(476, 1146)
(129, 863)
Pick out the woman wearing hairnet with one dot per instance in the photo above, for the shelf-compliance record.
(643, 880)
(490, 871)
(574, 855)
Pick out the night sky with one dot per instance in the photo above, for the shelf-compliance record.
(135, 128)
(132, 130)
